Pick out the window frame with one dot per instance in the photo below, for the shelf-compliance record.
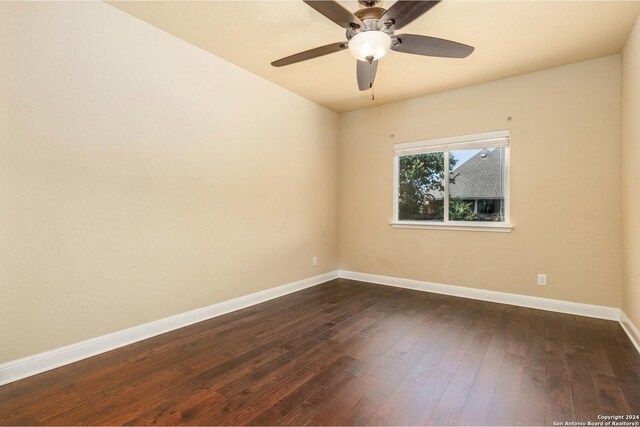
(501, 138)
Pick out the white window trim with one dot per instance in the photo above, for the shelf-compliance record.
(493, 139)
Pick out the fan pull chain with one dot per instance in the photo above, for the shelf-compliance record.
(373, 95)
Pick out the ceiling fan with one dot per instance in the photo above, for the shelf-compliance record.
(371, 34)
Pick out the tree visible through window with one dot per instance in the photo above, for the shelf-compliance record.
(421, 184)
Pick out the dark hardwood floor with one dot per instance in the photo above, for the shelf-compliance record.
(349, 353)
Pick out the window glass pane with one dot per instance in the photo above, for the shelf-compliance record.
(421, 187)
(477, 184)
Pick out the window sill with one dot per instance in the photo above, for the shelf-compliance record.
(461, 227)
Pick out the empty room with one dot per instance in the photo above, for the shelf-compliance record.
(320, 212)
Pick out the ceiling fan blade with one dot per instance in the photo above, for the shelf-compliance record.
(403, 12)
(366, 74)
(310, 54)
(430, 46)
(336, 12)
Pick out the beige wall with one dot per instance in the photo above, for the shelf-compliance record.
(142, 177)
(631, 176)
(565, 186)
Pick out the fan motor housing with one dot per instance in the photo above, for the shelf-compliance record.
(370, 17)
(370, 13)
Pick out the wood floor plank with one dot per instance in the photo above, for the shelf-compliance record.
(426, 400)
(532, 402)
(558, 414)
(450, 405)
(430, 378)
(425, 351)
(504, 405)
(558, 389)
(478, 402)
(610, 396)
(340, 409)
(585, 399)
(300, 416)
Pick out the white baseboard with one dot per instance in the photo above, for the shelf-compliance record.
(588, 310)
(31, 365)
(631, 330)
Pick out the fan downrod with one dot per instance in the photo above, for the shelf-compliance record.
(369, 3)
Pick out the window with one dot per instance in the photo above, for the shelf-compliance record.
(472, 193)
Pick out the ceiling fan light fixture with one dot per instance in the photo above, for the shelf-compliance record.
(370, 44)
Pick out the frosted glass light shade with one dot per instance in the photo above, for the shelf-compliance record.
(370, 43)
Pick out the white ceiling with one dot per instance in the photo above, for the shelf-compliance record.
(510, 37)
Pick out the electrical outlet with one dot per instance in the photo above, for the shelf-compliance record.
(314, 260)
(542, 279)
